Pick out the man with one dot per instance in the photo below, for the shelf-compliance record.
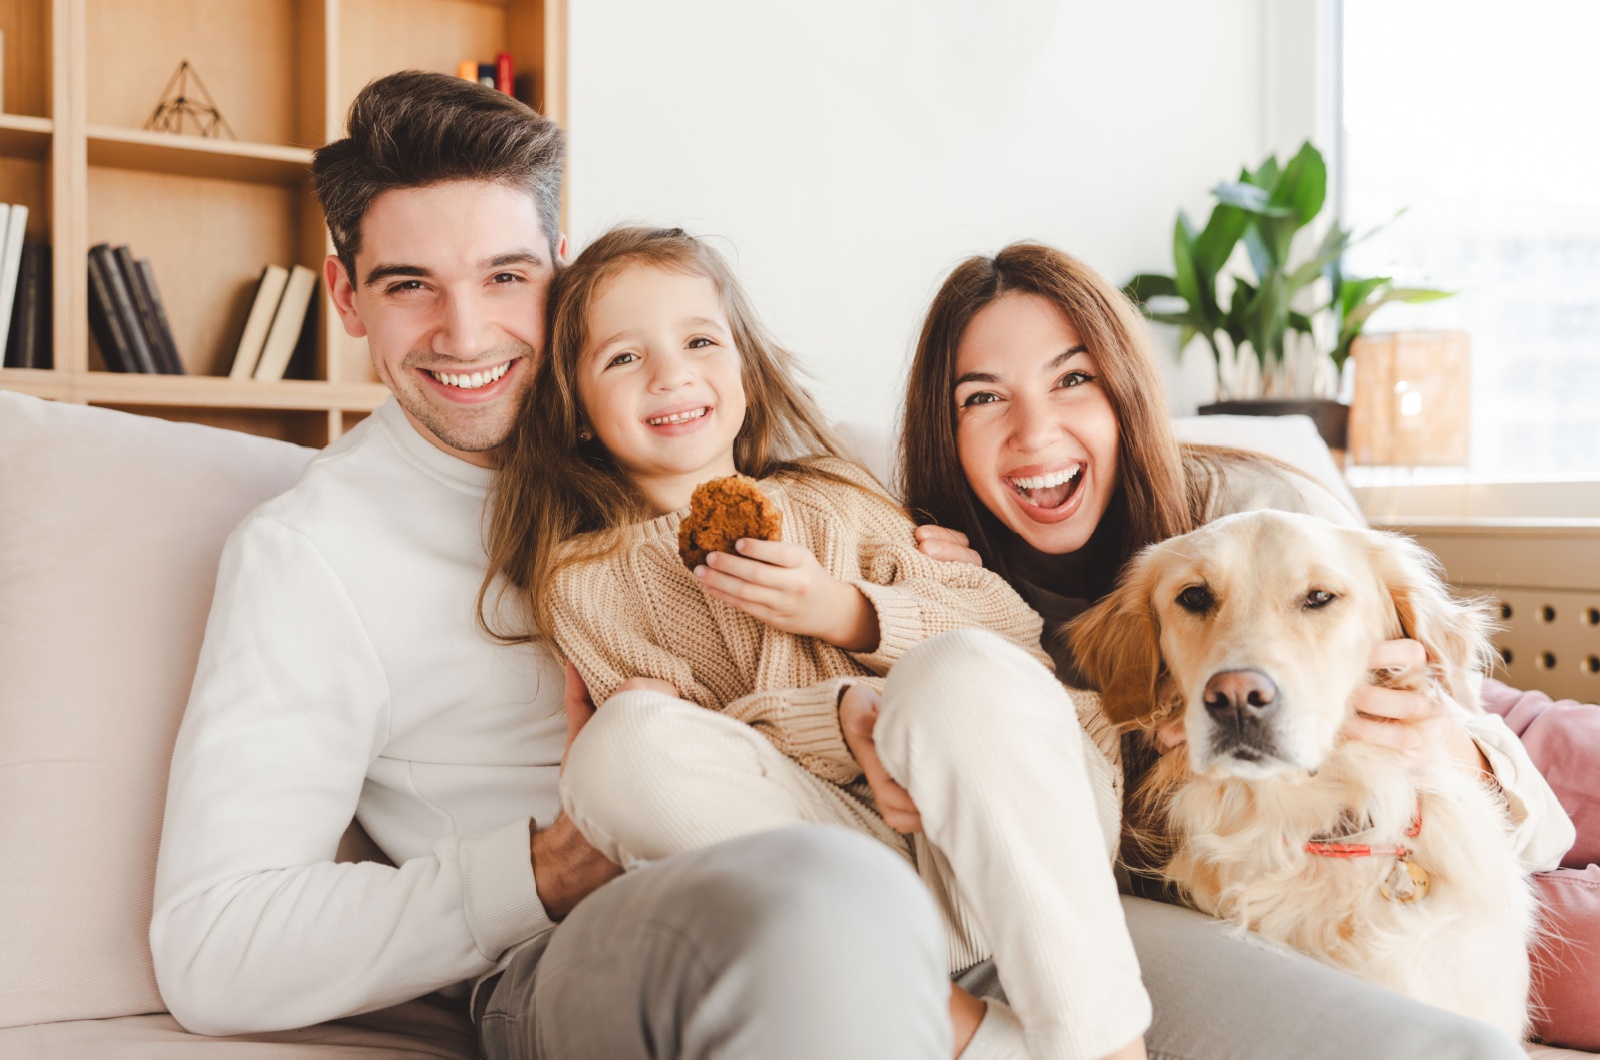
(345, 674)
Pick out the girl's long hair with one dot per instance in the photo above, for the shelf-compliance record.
(1154, 497)
(552, 486)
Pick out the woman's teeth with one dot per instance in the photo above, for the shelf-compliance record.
(1047, 491)
(678, 417)
(472, 380)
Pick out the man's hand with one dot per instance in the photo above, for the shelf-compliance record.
(858, 714)
(784, 586)
(566, 869)
(951, 546)
(1420, 725)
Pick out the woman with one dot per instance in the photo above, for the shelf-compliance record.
(1037, 441)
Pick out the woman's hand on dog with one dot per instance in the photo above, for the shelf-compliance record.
(1418, 724)
(951, 546)
(783, 585)
(858, 715)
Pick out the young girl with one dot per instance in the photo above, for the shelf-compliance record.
(744, 695)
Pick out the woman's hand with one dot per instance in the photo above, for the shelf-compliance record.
(951, 546)
(858, 714)
(1418, 725)
(579, 708)
(784, 586)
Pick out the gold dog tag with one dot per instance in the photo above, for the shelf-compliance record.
(1406, 884)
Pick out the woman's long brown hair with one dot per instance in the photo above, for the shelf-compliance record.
(553, 486)
(1153, 496)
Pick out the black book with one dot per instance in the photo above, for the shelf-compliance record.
(104, 323)
(141, 357)
(144, 311)
(148, 274)
(31, 324)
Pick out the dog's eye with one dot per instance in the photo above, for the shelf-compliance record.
(1318, 598)
(1196, 599)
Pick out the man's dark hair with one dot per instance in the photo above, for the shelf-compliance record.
(414, 129)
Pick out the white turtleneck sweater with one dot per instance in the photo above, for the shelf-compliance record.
(344, 674)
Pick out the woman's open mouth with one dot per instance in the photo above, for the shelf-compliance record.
(1048, 496)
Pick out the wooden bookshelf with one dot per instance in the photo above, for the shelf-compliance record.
(82, 77)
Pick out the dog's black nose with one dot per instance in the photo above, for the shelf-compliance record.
(1240, 696)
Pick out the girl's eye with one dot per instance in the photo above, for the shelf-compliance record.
(700, 343)
(1074, 378)
(982, 397)
(622, 358)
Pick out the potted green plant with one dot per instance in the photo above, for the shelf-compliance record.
(1279, 348)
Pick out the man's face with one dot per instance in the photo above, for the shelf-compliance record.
(449, 293)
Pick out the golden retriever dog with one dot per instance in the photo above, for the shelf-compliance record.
(1256, 630)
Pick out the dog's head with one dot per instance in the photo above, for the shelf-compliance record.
(1257, 629)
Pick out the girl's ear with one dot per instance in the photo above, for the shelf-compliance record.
(1455, 633)
(1117, 645)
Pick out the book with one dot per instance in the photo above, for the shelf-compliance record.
(29, 345)
(104, 323)
(148, 273)
(269, 291)
(139, 354)
(286, 324)
(467, 70)
(503, 79)
(487, 74)
(145, 313)
(15, 224)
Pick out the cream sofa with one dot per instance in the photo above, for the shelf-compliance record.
(111, 526)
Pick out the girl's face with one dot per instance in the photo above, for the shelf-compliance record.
(660, 381)
(1035, 431)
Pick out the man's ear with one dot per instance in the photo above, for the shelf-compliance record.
(1117, 645)
(1455, 633)
(561, 249)
(343, 294)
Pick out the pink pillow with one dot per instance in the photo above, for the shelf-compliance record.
(1563, 739)
(110, 530)
(1566, 961)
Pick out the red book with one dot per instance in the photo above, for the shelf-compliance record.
(502, 73)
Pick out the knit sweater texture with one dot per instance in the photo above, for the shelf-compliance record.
(636, 610)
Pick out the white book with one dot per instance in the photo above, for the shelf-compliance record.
(16, 225)
(269, 291)
(286, 324)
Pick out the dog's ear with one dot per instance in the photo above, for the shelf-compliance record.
(1454, 632)
(1117, 646)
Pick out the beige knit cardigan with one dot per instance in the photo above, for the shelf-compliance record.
(638, 611)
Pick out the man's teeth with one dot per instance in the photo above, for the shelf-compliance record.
(678, 417)
(471, 380)
(1040, 482)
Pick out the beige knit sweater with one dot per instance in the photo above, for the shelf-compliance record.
(638, 611)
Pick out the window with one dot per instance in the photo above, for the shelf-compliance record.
(1482, 120)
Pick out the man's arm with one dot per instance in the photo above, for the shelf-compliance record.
(255, 928)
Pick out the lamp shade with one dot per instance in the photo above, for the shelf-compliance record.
(1413, 399)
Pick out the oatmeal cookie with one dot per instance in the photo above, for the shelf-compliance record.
(721, 512)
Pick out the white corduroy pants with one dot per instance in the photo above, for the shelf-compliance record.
(1017, 807)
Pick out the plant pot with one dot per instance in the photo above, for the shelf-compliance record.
(1331, 417)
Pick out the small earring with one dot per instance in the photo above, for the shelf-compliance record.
(584, 435)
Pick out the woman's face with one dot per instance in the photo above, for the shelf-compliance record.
(1034, 427)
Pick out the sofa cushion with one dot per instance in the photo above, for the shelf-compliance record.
(111, 526)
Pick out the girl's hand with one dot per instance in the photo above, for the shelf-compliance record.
(784, 586)
(1419, 725)
(858, 715)
(942, 543)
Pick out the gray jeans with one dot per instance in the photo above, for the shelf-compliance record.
(815, 942)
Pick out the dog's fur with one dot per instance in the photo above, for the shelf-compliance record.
(1228, 820)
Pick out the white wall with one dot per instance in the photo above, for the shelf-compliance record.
(852, 151)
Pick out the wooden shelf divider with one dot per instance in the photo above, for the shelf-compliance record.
(196, 156)
(23, 136)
